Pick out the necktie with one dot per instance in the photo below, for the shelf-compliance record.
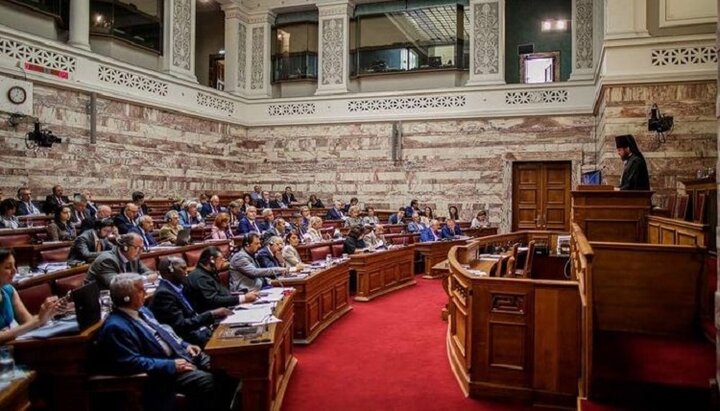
(98, 245)
(128, 267)
(165, 336)
(78, 215)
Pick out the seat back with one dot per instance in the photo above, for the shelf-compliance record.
(337, 250)
(149, 262)
(224, 278)
(395, 228)
(510, 268)
(526, 271)
(192, 257)
(34, 296)
(7, 241)
(66, 284)
(319, 253)
(398, 240)
(55, 255)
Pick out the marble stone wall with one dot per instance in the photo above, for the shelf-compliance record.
(466, 163)
(138, 148)
(691, 145)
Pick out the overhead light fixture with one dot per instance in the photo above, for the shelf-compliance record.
(554, 25)
(99, 18)
(221, 51)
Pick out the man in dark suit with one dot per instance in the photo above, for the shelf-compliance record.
(138, 198)
(127, 219)
(353, 202)
(412, 208)
(204, 288)
(278, 202)
(268, 220)
(264, 201)
(25, 203)
(103, 211)
(88, 245)
(212, 207)
(55, 200)
(125, 258)
(354, 242)
(79, 212)
(248, 223)
(245, 271)
(90, 205)
(266, 257)
(132, 341)
(397, 218)
(144, 229)
(431, 233)
(336, 212)
(172, 307)
(451, 229)
(288, 197)
(635, 173)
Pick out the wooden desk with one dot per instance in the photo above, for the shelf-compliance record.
(16, 397)
(320, 300)
(382, 272)
(29, 254)
(264, 368)
(434, 252)
(65, 362)
(304, 249)
(607, 215)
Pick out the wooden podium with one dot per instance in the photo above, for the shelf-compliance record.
(604, 214)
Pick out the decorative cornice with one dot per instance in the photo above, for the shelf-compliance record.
(342, 10)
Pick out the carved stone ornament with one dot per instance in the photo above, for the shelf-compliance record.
(332, 51)
(486, 34)
(181, 35)
(257, 58)
(242, 60)
(583, 34)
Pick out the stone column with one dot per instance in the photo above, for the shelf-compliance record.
(179, 39)
(79, 33)
(236, 45)
(487, 42)
(258, 54)
(582, 40)
(334, 47)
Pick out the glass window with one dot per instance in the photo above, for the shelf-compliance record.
(294, 51)
(57, 8)
(136, 21)
(411, 39)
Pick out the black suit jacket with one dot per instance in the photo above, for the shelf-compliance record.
(288, 199)
(261, 203)
(275, 204)
(169, 309)
(206, 292)
(84, 249)
(123, 223)
(52, 204)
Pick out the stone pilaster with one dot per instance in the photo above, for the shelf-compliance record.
(179, 39)
(79, 33)
(257, 82)
(487, 42)
(582, 40)
(334, 43)
(625, 19)
(236, 46)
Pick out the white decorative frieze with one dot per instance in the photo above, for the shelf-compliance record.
(536, 97)
(332, 51)
(257, 58)
(291, 109)
(486, 33)
(181, 30)
(682, 56)
(36, 55)
(215, 103)
(405, 103)
(132, 80)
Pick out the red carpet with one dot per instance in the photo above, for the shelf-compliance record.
(386, 354)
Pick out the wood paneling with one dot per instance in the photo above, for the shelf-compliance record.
(607, 215)
(382, 272)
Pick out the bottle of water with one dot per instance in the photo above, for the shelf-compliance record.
(328, 260)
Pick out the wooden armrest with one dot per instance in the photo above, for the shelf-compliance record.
(109, 382)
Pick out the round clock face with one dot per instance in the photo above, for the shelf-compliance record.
(17, 95)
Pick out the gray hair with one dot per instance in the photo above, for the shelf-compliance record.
(122, 288)
(274, 239)
(267, 211)
(191, 204)
(170, 214)
(145, 218)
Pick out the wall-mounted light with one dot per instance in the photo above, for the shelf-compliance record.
(99, 18)
(554, 25)
(221, 51)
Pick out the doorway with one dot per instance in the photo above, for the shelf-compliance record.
(541, 195)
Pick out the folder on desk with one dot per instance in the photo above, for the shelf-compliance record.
(52, 329)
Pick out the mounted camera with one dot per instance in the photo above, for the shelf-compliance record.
(40, 138)
(657, 122)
